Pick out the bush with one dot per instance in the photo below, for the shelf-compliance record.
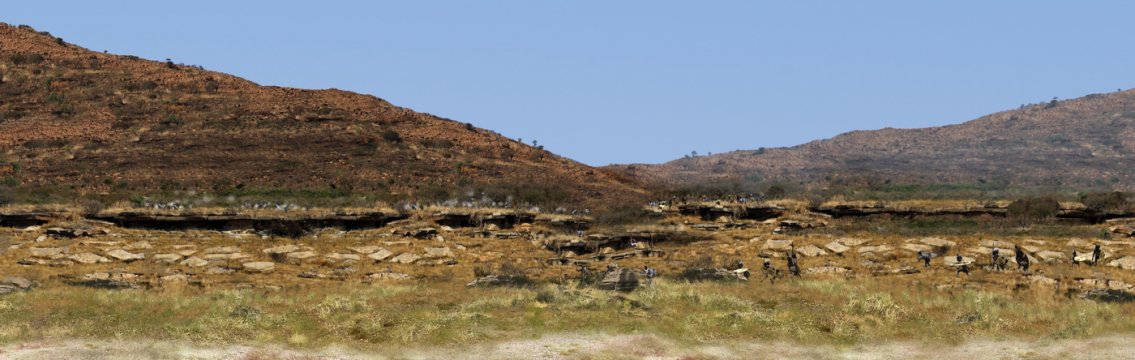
(1105, 201)
(1034, 208)
(392, 136)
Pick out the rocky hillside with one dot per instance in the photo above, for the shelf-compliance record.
(84, 123)
(1085, 143)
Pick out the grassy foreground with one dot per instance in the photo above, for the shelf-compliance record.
(839, 311)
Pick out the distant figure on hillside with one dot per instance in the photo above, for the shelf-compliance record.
(739, 265)
(925, 257)
(793, 267)
(1096, 255)
(962, 267)
(770, 272)
(1075, 255)
(1022, 258)
(996, 254)
(649, 274)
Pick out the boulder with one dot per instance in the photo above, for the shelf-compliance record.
(87, 258)
(811, 251)
(17, 282)
(380, 255)
(777, 245)
(837, 248)
(1125, 263)
(405, 258)
(280, 250)
(123, 255)
(259, 266)
(624, 279)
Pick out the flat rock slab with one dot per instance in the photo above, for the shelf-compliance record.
(88, 258)
(828, 270)
(851, 242)
(441, 252)
(17, 282)
(917, 248)
(1050, 256)
(380, 255)
(1125, 263)
(997, 244)
(301, 255)
(342, 257)
(933, 241)
(259, 266)
(140, 245)
(405, 258)
(47, 253)
(194, 262)
(366, 250)
(123, 255)
(874, 249)
(389, 276)
(811, 251)
(777, 245)
(226, 256)
(167, 258)
(222, 250)
(282, 249)
(836, 247)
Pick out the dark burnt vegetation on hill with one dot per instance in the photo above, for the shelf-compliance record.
(107, 128)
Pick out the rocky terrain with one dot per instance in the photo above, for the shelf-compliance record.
(1084, 143)
(75, 122)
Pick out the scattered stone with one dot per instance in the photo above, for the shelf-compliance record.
(17, 282)
(829, 269)
(225, 256)
(906, 270)
(105, 280)
(837, 248)
(499, 280)
(312, 275)
(342, 257)
(811, 251)
(997, 244)
(88, 258)
(41, 238)
(99, 243)
(194, 262)
(624, 279)
(405, 258)
(396, 243)
(217, 270)
(187, 252)
(123, 255)
(280, 250)
(185, 246)
(259, 267)
(777, 245)
(1080, 243)
(390, 276)
(381, 255)
(167, 258)
(174, 279)
(1031, 249)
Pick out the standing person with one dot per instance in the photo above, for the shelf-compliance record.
(1096, 255)
(925, 257)
(793, 267)
(1022, 258)
(962, 267)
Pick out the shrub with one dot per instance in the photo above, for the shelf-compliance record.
(1034, 208)
(392, 136)
(1105, 201)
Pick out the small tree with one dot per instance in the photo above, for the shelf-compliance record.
(1034, 208)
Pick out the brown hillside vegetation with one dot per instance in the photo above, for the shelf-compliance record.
(1085, 143)
(74, 122)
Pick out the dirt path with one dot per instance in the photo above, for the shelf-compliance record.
(570, 346)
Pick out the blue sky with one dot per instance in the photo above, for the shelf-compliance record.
(639, 81)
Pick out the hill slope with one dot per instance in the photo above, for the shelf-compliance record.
(83, 123)
(1085, 143)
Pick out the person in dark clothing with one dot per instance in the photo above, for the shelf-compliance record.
(1022, 258)
(793, 267)
(962, 267)
(925, 257)
(1096, 255)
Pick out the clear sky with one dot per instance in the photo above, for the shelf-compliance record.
(639, 81)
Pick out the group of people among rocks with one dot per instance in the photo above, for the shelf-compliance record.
(999, 262)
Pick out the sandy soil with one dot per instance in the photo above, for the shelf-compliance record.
(571, 346)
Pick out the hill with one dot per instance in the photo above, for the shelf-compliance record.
(79, 123)
(1082, 144)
